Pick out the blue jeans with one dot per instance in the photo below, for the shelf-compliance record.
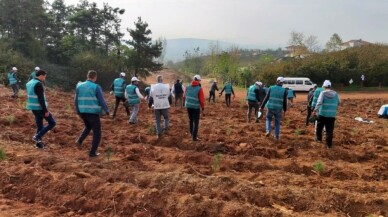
(39, 116)
(278, 117)
(158, 116)
(92, 122)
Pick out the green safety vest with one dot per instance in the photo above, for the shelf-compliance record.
(133, 98)
(11, 78)
(118, 87)
(276, 97)
(329, 106)
(87, 98)
(192, 100)
(32, 98)
(251, 93)
(316, 95)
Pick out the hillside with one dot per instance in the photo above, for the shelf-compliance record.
(233, 171)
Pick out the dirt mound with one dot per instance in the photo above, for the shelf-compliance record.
(234, 170)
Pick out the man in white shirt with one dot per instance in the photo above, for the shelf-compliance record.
(160, 93)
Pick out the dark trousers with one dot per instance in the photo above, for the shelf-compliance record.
(309, 110)
(253, 105)
(194, 121)
(227, 99)
(328, 123)
(92, 122)
(118, 100)
(42, 130)
(178, 97)
(212, 94)
(15, 90)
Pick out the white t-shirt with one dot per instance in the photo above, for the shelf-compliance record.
(160, 93)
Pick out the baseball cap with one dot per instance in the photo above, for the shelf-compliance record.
(326, 83)
(197, 77)
(14, 69)
(122, 74)
(134, 79)
(37, 68)
(280, 79)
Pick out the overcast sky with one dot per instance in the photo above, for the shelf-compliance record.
(262, 22)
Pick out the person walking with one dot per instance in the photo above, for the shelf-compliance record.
(160, 93)
(212, 91)
(33, 74)
(147, 91)
(118, 88)
(317, 92)
(177, 92)
(194, 102)
(90, 104)
(290, 96)
(326, 108)
(228, 92)
(309, 108)
(37, 103)
(253, 101)
(133, 95)
(14, 82)
(277, 101)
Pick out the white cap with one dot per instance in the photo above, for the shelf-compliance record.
(215, 81)
(280, 79)
(134, 79)
(326, 83)
(14, 69)
(258, 83)
(197, 77)
(37, 68)
(122, 74)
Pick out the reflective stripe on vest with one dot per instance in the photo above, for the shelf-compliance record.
(276, 97)
(192, 100)
(87, 98)
(118, 87)
(11, 78)
(133, 98)
(251, 93)
(317, 92)
(290, 93)
(228, 88)
(32, 98)
(329, 106)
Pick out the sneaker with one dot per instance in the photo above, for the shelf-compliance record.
(36, 139)
(39, 145)
(196, 139)
(95, 154)
(317, 140)
(266, 134)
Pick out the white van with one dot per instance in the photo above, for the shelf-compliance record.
(298, 84)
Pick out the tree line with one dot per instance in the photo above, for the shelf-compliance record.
(332, 63)
(68, 40)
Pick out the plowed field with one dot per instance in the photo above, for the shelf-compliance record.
(234, 170)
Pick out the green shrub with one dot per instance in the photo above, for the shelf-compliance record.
(3, 156)
(216, 162)
(319, 166)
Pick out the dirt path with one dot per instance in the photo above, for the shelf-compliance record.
(233, 171)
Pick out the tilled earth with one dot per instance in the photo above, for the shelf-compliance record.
(234, 170)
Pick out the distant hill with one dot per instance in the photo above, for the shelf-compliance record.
(176, 48)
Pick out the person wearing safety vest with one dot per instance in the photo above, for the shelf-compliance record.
(228, 92)
(133, 96)
(37, 103)
(212, 91)
(317, 92)
(118, 89)
(326, 109)
(13, 82)
(33, 74)
(290, 96)
(159, 94)
(194, 102)
(90, 104)
(275, 101)
(177, 92)
(147, 92)
(253, 99)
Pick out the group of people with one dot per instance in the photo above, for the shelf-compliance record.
(90, 104)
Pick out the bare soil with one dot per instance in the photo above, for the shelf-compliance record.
(234, 170)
